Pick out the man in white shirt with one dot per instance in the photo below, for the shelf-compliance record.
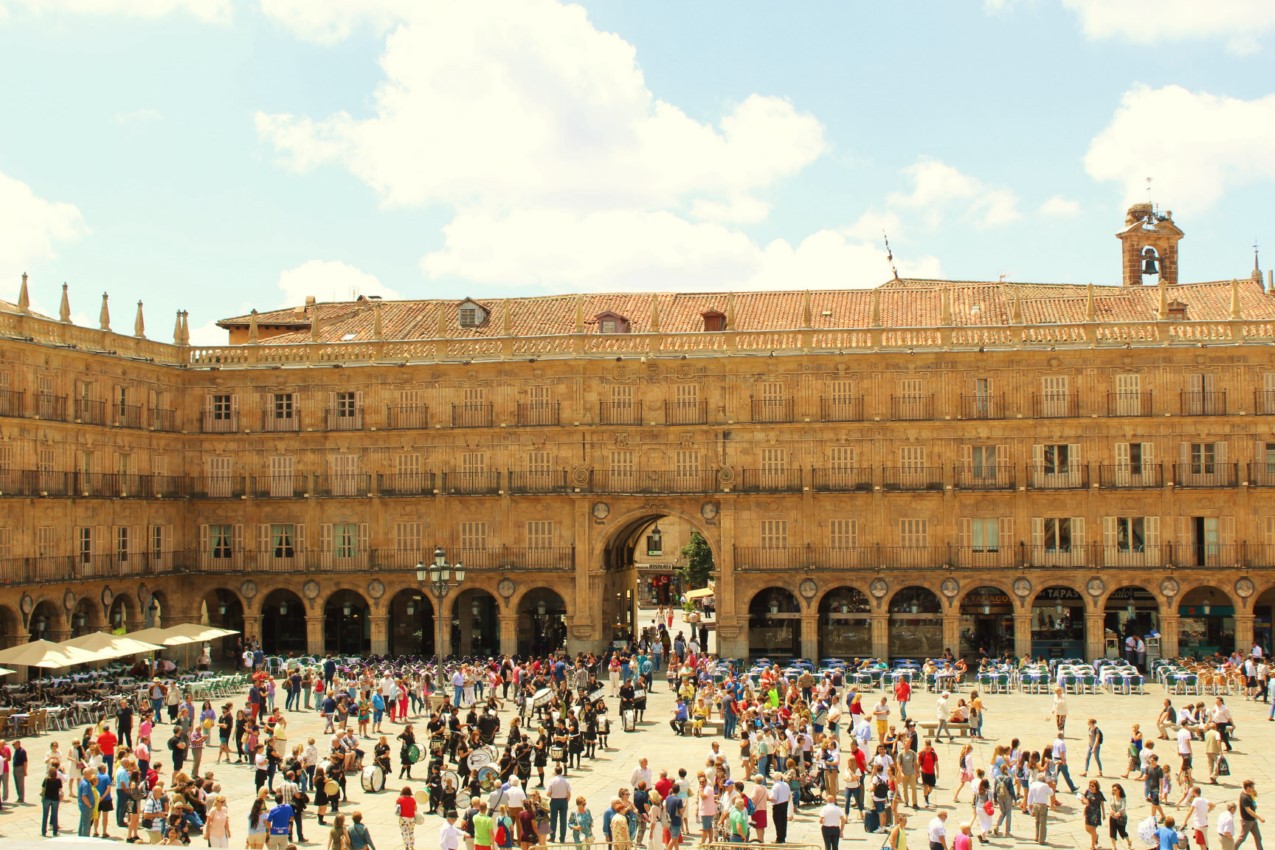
(937, 832)
(1038, 796)
(559, 801)
(831, 821)
(1060, 757)
(642, 773)
(942, 713)
(1226, 827)
(1184, 753)
(515, 797)
(1200, 809)
(780, 796)
(1220, 714)
(449, 837)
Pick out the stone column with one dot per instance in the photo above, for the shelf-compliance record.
(508, 633)
(380, 634)
(732, 639)
(810, 636)
(314, 635)
(952, 629)
(1244, 632)
(881, 633)
(1022, 631)
(251, 628)
(1169, 633)
(1095, 644)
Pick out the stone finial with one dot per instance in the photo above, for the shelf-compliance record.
(1090, 312)
(139, 323)
(64, 309)
(104, 317)
(177, 329)
(442, 320)
(1236, 312)
(315, 324)
(945, 307)
(24, 299)
(875, 318)
(1016, 308)
(655, 314)
(252, 325)
(807, 311)
(1164, 299)
(730, 311)
(378, 330)
(579, 314)
(185, 332)
(507, 318)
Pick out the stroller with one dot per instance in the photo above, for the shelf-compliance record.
(811, 788)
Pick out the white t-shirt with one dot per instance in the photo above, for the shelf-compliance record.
(1060, 749)
(1200, 812)
(1226, 824)
(1184, 742)
(830, 815)
(937, 831)
(515, 797)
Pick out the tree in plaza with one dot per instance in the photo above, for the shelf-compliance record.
(699, 562)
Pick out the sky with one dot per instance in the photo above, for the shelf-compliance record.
(220, 155)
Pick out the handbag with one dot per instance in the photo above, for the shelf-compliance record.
(989, 808)
(1223, 766)
(419, 819)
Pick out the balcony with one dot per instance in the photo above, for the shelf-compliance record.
(524, 483)
(856, 479)
(536, 413)
(1136, 556)
(1206, 475)
(472, 483)
(769, 481)
(344, 418)
(986, 406)
(399, 417)
(90, 485)
(1261, 474)
(53, 483)
(844, 557)
(658, 482)
(1055, 405)
(772, 410)
(1058, 477)
(1202, 403)
(1148, 476)
(343, 484)
(1065, 555)
(799, 558)
(841, 409)
(340, 561)
(471, 414)
(223, 561)
(1202, 554)
(50, 407)
(163, 419)
(18, 482)
(279, 422)
(911, 407)
(972, 477)
(165, 486)
(1002, 556)
(685, 412)
(282, 486)
(11, 403)
(1263, 403)
(619, 413)
(220, 422)
(127, 415)
(511, 558)
(771, 558)
(929, 478)
(1130, 404)
(90, 411)
(218, 487)
(406, 484)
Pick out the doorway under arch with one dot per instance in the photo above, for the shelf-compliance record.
(123, 612)
(916, 624)
(84, 618)
(774, 624)
(1206, 623)
(987, 623)
(222, 608)
(283, 628)
(1131, 612)
(479, 617)
(411, 624)
(845, 624)
(45, 622)
(347, 626)
(1058, 623)
(542, 622)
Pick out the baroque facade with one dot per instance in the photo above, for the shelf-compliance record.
(893, 471)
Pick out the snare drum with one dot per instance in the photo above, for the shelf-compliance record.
(373, 779)
(462, 800)
(481, 757)
(639, 695)
(604, 725)
(436, 746)
(557, 752)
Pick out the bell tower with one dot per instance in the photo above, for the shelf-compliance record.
(1149, 246)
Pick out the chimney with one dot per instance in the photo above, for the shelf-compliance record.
(309, 301)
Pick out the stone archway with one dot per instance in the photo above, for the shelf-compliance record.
(123, 612)
(347, 624)
(223, 608)
(845, 624)
(85, 617)
(774, 624)
(916, 623)
(1264, 620)
(1206, 622)
(478, 615)
(412, 627)
(283, 627)
(1058, 623)
(1130, 611)
(987, 622)
(542, 622)
(10, 627)
(45, 622)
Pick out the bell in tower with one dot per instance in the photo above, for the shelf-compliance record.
(1149, 246)
(1149, 265)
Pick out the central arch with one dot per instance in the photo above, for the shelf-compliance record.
(774, 624)
(916, 623)
(845, 624)
(542, 622)
(641, 561)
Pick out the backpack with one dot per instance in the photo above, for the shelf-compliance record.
(502, 835)
(748, 806)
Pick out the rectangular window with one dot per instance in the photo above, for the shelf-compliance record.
(283, 540)
(407, 465)
(1057, 534)
(346, 406)
(983, 460)
(407, 537)
(912, 458)
(687, 395)
(345, 539)
(473, 535)
(84, 545)
(1203, 459)
(46, 545)
(774, 533)
(158, 544)
(914, 533)
(469, 317)
(121, 544)
(474, 397)
(985, 534)
(539, 463)
(1128, 395)
(222, 407)
(621, 466)
(841, 393)
(774, 462)
(843, 533)
(621, 395)
(473, 462)
(1268, 456)
(686, 465)
(1131, 535)
(540, 534)
(539, 396)
(6, 544)
(911, 389)
(1266, 403)
(345, 475)
(1057, 459)
(282, 477)
(842, 458)
(221, 541)
(284, 406)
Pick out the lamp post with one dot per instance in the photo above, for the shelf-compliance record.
(442, 577)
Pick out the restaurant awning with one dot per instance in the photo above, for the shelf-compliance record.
(180, 635)
(45, 654)
(701, 593)
(108, 646)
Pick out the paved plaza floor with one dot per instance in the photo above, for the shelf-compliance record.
(1025, 716)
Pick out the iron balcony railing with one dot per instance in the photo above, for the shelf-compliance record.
(471, 414)
(1264, 402)
(280, 421)
(51, 407)
(911, 407)
(220, 422)
(548, 481)
(986, 406)
(11, 403)
(127, 415)
(1202, 403)
(1147, 476)
(1071, 476)
(1206, 475)
(841, 409)
(772, 410)
(406, 484)
(536, 413)
(219, 487)
(769, 481)
(163, 419)
(281, 486)
(856, 479)
(471, 483)
(90, 411)
(344, 418)
(983, 477)
(346, 484)
(1055, 405)
(405, 416)
(686, 412)
(1130, 404)
(912, 478)
(653, 481)
(619, 413)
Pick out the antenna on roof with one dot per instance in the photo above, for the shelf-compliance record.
(889, 255)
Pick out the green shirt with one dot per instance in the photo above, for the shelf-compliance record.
(738, 823)
(482, 830)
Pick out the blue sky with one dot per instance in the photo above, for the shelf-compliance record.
(216, 155)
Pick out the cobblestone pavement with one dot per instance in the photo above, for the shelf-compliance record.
(1016, 715)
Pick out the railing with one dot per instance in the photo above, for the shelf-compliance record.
(769, 481)
(404, 416)
(856, 479)
(356, 484)
(1073, 476)
(844, 557)
(61, 568)
(772, 410)
(128, 415)
(472, 483)
(218, 487)
(550, 481)
(90, 411)
(1261, 475)
(165, 486)
(536, 413)
(1055, 405)
(351, 561)
(406, 484)
(912, 478)
(11, 403)
(294, 486)
(1076, 554)
(1201, 403)
(273, 422)
(619, 413)
(51, 407)
(653, 481)
(163, 419)
(471, 414)
(1206, 475)
(1001, 555)
(1130, 404)
(911, 407)
(1209, 554)
(771, 558)
(685, 412)
(989, 406)
(1264, 402)
(972, 477)
(784, 558)
(1148, 476)
(220, 423)
(841, 409)
(344, 418)
(1144, 556)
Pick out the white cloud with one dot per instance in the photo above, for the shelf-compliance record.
(31, 227)
(329, 23)
(939, 189)
(1060, 207)
(636, 250)
(206, 334)
(522, 103)
(208, 11)
(329, 280)
(138, 116)
(1194, 145)
(1237, 21)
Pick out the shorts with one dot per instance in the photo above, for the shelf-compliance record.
(1154, 797)
(675, 830)
(759, 819)
(1199, 837)
(706, 823)
(929, 780)
(105, 805)
(1186, 762)
(277, 842)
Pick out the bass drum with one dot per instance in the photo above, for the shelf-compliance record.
(630, 720)
(462, 799)
(481, 757)
(488, 778)
(373, 779)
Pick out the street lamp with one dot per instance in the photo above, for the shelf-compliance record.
(442, 577)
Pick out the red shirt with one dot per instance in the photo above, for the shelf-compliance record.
(406, 806)
(106, 742)
(903, 691)
(929, 761)
(663, 786)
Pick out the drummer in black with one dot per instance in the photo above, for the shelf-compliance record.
(541, 756)
(381, 755)
(626, 698)
(408, 737)
(488, 726)
(639, 702)
(463, 751)
(558, 747)
(575, 743)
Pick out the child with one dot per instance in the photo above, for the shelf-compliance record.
(581, 823)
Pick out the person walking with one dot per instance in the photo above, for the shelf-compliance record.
(50, 798)
(831, 821)
(1249, 818)
(559, 801)
(1060, 711)
(936, 832)
(1094, 750)
(405, 809)
(1038, 796)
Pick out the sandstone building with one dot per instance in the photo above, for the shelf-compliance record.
(926, 464)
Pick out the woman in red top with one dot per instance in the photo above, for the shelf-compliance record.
(405, 807)
(527, 828)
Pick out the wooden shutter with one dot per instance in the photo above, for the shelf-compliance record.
(1184, 456)
(298, 540)
(236, 541)
(1219, 453)
(1038, 457)
(1152, 527)
(1079, 543)
(1148, 455)
(1122, 456)
(325, 537)
(1226, 530)
(363, 537)
(967, 456)
(1002, 455)
(1038, 535)
(1108, 534)
(965, 535)
(263, 541)
(1005, 534)
(204, 552)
